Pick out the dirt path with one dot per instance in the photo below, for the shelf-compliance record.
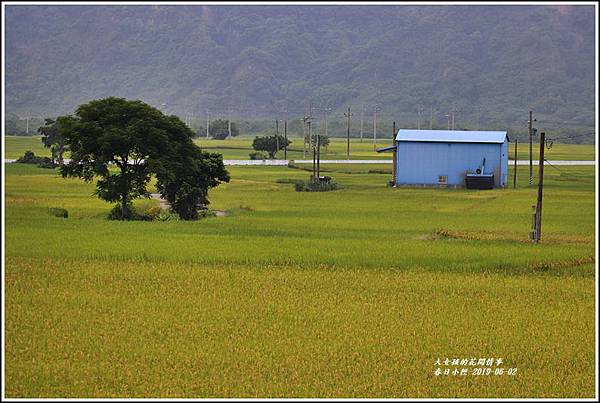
(164, 205)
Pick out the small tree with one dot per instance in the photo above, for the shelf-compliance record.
(219, 129)
(53, 137)
(200, 132)
(270, 144)
(323, 140)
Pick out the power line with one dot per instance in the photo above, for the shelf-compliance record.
(562, 173)
(572, 137)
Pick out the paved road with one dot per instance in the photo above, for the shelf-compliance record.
(383, 161)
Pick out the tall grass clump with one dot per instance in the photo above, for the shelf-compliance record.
(316, 185)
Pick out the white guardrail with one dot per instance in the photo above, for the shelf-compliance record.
(255, 162)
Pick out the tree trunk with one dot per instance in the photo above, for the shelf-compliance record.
(61, 150)
(124, 206)
(124, 198)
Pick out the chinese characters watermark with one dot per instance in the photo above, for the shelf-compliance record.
(472, 367)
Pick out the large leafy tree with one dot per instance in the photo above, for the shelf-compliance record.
(124, 142)
(114, 131)
(270, 144)
(53, 137)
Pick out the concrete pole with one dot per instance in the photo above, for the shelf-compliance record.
(515, 173)
(530, 128)
(431, 120)
(538, 216)
(229, 122)
(207, 123)
(375, 129)
(362, 112)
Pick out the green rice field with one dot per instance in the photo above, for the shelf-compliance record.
(240, 148)
(351, 293)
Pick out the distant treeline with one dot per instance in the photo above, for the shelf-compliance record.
(17, 126)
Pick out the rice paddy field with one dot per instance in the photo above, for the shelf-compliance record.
(241, 147)
(352, 293)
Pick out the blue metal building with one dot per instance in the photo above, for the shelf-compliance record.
(446, 157)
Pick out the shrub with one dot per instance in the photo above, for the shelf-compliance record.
(323, 185)
(130, 214)
(153, 212)
(206, 214)
(259, 155)
(167, 216)
(59, 212)
(30, 158)
(46, 163)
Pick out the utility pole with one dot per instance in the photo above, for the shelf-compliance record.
(453, 110)
(309, 125)
(314, 154)
(479, 118)
(327, 110)
(537, 234)
(448, 116)
(207, 122)
(229, 122)
(431, 120)
(276, 135)
(530, 128)
(348, 134)
(285, 142)
(394, 155)
(375, 127)
(304, 136)
(515, 177)
(318, 155)
(362, 112)
(27, 124)
(419, 117)
(306, 121)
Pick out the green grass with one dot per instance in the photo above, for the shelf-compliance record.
(350, 293)
(240, 148)
(17, 145)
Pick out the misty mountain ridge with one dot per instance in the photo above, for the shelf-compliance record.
(490, 63)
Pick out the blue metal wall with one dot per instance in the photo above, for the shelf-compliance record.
(420, 163)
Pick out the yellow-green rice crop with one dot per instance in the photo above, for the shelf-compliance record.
(351, 293)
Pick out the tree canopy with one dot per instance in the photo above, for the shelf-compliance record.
(53, 133)
(219, 129)
(270, 144)
(186, 174)
(323, 140)
(138, 140)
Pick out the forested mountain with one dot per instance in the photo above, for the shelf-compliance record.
(491, 63)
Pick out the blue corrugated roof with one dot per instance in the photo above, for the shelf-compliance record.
(384, 149)
(451, 136)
